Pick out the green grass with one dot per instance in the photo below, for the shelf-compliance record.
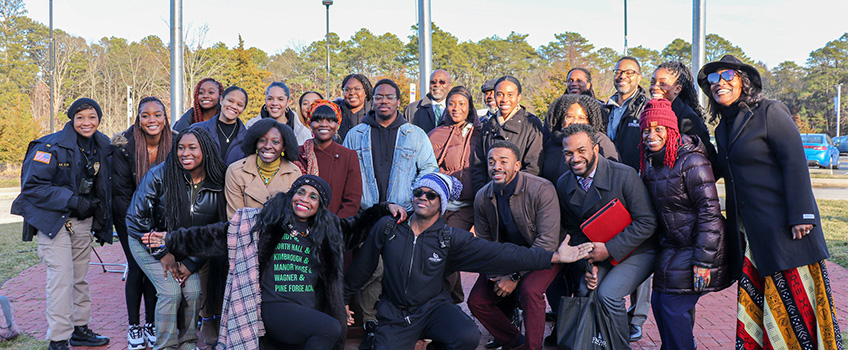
(15, 257)
(827, 176)
(834, 214)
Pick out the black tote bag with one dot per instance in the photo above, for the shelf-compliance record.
(582, 324)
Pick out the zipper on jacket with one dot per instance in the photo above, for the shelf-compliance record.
(411, 260)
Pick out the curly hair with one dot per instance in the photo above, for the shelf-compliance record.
(139, 137)
(555, 118)
(689, 91)
(751, 95)
(260, 128)
(198, 111)
(175, 176)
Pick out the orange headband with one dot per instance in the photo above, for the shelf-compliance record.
(319, 103)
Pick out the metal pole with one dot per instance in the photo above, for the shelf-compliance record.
(838, 105)
(699, 27)
(177, 73)
(327, 39)
(625, 27)
(425, 49)
(129, 106)
(52, 72)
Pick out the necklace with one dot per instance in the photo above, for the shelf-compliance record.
(267, 180)
(231, 132)
(149, 151)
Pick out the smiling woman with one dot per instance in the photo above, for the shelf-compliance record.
(277, 106)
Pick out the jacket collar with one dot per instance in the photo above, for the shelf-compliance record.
(520, 181)
(68, 138)
(601, 182)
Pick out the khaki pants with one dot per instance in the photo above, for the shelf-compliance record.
(68, 296)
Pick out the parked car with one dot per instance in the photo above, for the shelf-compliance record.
(820, 151)
(841, 143)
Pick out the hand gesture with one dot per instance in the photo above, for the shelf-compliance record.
(153, 239)
(568, 254)
(397, 212)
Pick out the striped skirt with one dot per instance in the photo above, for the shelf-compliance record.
(790, 309)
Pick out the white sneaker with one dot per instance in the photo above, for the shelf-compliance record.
(150, 334)
(135, 338)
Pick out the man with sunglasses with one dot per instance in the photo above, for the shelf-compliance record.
(65, 198)
(420, 252)
(393, 155)
(427, 112)
(522, 209)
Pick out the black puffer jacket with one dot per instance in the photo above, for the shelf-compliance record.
(691, 228)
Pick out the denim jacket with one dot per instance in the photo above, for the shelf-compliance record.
(412, 159)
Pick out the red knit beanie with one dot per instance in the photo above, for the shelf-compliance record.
(658, 112)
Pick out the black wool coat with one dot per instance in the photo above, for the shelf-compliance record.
(761, 157)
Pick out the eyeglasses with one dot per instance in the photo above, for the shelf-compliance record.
(714, 78)
(439, 82)
(379, 98)
(574, 118)
(627, 73)
(356, 89)
(430, 195)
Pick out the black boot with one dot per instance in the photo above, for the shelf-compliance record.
(84, 336)
(370, 335)
(58, 345)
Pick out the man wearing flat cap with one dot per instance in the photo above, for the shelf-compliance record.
(65, 201)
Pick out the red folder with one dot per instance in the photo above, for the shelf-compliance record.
(606, 223)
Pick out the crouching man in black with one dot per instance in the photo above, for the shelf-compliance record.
(419, 253)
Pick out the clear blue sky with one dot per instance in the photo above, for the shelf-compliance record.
(771, 31)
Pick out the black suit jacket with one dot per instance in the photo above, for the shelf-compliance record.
(421, 114)
(768, 188)
(612, 180)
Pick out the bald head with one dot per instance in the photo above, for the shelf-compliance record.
(440, 84)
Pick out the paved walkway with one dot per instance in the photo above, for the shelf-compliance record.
(715, 326)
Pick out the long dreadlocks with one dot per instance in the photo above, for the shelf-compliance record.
(688, 92)
(139, 137)
(198, 111)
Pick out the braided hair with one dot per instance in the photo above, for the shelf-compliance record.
(175, 176)
(688, 92)
(198, 111)
(139, 137)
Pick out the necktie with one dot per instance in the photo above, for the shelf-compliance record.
(586, 182)
(437, 109)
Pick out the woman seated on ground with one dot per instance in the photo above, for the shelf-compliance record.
(276, 107)
(564, 111)
(206, 105)
(269, 169)
(290, 254)
(186, 190)
(692, 258)
(334, 163)
(226, 129)
(139, 148)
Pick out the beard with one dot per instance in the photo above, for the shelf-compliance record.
(590, 166)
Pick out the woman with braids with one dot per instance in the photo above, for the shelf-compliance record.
(673, 81)
(776, 240)
(566, 110)
(139, 148)
(206, 105)
(226, 129)
(276, 107)
(356, 103)
(334, 163)
(186, 190)
(269, 169)
(285, 278)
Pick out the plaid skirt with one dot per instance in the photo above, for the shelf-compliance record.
(790, 309)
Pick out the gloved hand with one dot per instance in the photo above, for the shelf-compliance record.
(82, 208)
(701, 278)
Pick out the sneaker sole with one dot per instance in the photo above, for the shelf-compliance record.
(141, 346)
(86, 343)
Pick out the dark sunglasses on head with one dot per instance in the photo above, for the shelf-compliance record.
(430, 195)
(728, 75)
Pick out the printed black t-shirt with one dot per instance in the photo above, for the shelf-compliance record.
(292, 275)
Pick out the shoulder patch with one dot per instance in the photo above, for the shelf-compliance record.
(43, 157)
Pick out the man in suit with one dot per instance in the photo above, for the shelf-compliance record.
(590, 183)
(426, 113)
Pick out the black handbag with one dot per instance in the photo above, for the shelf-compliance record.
(583, 325)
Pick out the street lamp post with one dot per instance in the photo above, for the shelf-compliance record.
(327, 3)
(838, 104)
(52, 71)
(625, 27)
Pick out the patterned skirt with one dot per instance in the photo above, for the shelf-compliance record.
(790, 309)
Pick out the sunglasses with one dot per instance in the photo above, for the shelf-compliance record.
(430, 195)
(714, 78)
(439, 82)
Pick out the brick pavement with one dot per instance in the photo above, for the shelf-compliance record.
(715, 326)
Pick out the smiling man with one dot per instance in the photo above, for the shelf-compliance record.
(420, 253)
(589, 184)
(427, 112)
(624, 109)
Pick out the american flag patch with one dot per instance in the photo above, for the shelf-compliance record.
(43, 157)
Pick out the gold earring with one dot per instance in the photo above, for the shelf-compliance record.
(283, 154)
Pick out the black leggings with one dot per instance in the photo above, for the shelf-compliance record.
(290, 323)
(137, 283)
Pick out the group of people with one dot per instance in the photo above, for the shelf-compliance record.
(270, 232)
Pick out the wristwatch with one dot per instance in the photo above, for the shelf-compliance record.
(515, 277)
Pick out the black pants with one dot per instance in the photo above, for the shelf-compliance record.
(290, 323)
(445, 324)
(137, 283)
